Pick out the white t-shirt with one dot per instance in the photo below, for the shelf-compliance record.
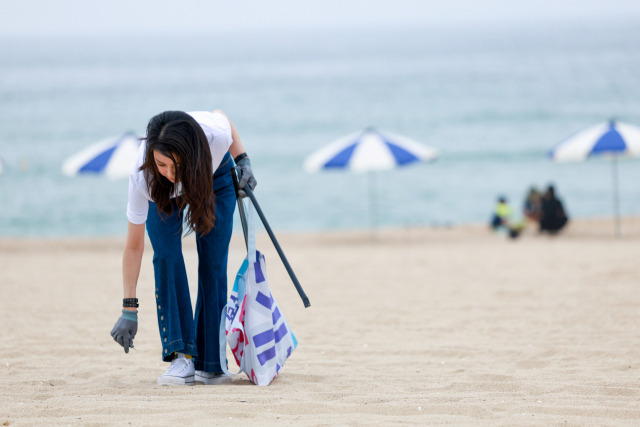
(216, 127)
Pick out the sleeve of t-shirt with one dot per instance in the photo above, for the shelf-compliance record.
(217, 128)
(138, 205)
(138, 202)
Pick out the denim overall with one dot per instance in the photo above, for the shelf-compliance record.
(179, 330)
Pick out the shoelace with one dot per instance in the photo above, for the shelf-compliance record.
(178, 365)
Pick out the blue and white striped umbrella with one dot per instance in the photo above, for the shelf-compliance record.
(370, 150)
(609, 139)
(612, 139)
(113, 157)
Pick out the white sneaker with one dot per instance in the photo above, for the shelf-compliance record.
(181, 372)
(207, 378)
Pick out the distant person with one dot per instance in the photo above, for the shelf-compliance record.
(553, 216)
(532, 208)
(501, 218)
(182, 177)
(501, 214)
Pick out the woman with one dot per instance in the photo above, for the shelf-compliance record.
(182, 175)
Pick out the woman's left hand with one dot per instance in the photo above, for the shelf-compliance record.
(245, 176)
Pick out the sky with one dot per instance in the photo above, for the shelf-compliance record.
(129, 17)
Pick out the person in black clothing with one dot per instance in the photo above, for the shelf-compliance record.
(553, 216)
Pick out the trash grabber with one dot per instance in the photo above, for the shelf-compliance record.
(247, 190)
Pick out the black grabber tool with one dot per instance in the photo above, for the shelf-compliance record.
(243, 219)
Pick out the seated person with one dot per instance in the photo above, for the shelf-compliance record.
(553, 216)
(501, 214)
(501, 219)
(532, 205)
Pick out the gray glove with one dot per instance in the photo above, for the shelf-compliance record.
(125, 329)
(245, 176)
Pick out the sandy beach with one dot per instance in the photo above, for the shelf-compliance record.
(418, 326)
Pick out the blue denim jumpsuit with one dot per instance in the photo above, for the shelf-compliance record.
(179, 330)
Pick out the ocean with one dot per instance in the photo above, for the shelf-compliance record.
(493, 101)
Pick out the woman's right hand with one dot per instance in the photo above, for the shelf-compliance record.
(125, 329)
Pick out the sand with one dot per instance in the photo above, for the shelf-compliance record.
(419, 326)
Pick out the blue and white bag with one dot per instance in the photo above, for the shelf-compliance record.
(258, 334)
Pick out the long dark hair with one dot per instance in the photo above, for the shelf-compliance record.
(177, 135)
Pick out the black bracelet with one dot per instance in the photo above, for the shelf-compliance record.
(240, 157)
(130, 302)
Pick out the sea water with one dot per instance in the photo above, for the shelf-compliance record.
(492, 101)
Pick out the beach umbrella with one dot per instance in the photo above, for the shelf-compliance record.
(612, 139)
(369, 151)
(112, 157)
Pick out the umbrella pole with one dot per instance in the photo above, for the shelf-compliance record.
(616, 198)
(373, 204)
